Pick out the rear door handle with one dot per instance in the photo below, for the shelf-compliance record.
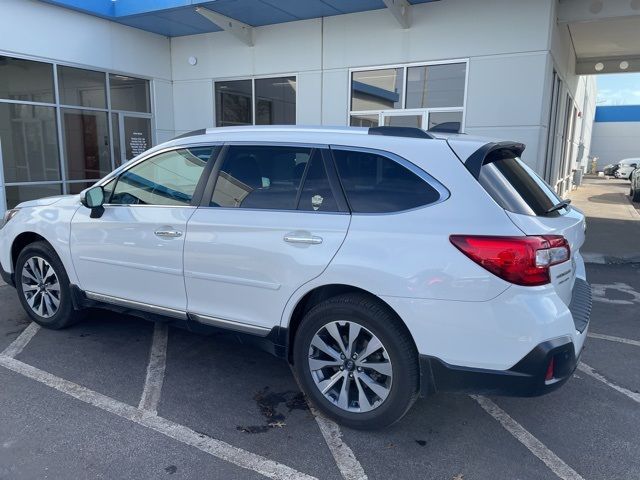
(297, 237)
(168, 233)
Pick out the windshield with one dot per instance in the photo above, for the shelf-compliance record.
(516, 187)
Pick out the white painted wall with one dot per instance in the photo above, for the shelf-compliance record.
(36, 29)
(614, 141)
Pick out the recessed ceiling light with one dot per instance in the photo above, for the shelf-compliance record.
(599, 66)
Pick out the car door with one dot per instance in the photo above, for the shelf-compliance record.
(132, 254)
(272, 220)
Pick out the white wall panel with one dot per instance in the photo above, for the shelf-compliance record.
(613, 141)
(193, 105)
(309, 102)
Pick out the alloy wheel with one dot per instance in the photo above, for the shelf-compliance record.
(350, 366)
(41, 287)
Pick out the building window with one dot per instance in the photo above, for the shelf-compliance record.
(262, 101)
(61, 141)
(427, 96)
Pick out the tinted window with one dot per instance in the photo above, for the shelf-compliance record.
(86, 143)
(26, 80)
(234, 103)
(85, 88)
(129, 93)
(261, 177)
(436, 86)
(276, 101)
(377, 184)
(316, 193)
(517, 188)
(377, 89)
(166, 179)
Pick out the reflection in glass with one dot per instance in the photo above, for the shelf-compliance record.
(377, 89)
(233, 103)
(364, 120)
(276, 101)
(86, 144)
(29, 143)
(403, 121)
(260, 177)
(450, 122)
(436, 86)
(77, 187)
(26, 80)
(129, 93)
(23, 193)
(167, 179)
(85, 88)
(137, 136)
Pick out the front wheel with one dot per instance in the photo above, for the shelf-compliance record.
(43, 287)
(357, 362)
(635, 195)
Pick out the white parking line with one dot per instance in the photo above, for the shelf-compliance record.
(614, 339)
(155, 370)
(347, 463)
(23, 339)
(535, 446)
(583, 367)
(182, 434)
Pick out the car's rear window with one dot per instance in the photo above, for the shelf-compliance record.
(516, 187)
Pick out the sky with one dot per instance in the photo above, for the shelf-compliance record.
(619, 89)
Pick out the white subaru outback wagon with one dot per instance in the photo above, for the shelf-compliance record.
(380, 262)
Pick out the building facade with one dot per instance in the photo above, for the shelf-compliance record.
(616, 134)
(83, 91)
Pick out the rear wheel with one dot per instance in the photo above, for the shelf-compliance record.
(357, 362)
(635, 195)
(43, 287)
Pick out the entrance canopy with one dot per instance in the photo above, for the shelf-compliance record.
(175, 18)
(605, 34)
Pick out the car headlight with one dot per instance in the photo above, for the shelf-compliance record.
(8, 215)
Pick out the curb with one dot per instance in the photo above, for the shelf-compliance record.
(601, 259)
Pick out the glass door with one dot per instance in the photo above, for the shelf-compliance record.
(131, 136)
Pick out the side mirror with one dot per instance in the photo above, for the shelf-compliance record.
(634, 165)
(93, 198)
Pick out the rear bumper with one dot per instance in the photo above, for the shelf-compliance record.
(525, 379)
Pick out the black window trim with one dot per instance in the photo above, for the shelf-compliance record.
(336, 188)
(443, 191)
(200, 187)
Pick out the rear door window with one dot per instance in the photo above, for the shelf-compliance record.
(374, 183)
(517, 188)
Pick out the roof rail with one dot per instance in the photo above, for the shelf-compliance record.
(193, 133)
(409, 132)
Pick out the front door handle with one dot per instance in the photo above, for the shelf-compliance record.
(299, 237)
(168, 233)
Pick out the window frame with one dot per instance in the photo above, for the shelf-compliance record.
(203, 181)
(253, 92)
(403, 162)
(325, 155)
(408, 111)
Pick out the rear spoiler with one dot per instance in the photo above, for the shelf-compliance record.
(496, 150)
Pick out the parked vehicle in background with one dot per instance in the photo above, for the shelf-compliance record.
(634, 192)
(380, 262)
(626, 167)
(610, 169)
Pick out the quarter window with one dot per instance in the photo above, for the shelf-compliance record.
(265, 177)
(170, 178)
(377, 184)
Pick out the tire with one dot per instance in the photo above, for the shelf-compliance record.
(635, 195)
(36, 260)
(397, 357)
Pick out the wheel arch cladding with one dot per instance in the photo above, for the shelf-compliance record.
(321, 293)
(21, 241)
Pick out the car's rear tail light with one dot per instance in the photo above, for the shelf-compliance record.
(519, 260)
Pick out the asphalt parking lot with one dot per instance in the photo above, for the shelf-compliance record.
(117, 397)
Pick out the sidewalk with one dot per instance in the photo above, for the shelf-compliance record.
(613, 223)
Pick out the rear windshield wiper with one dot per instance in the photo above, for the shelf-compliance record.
(558, 206)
